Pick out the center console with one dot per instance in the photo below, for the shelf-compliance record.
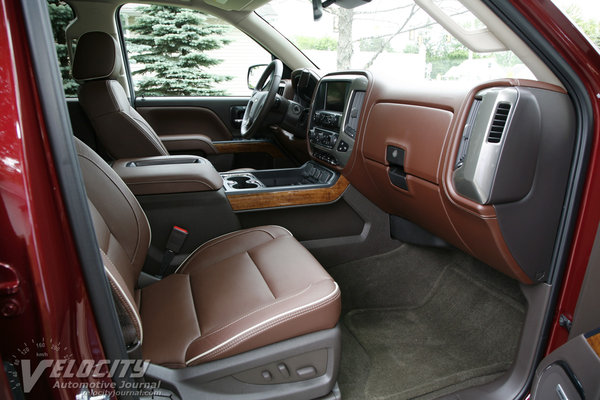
(309, 176)
(308, 185)
(187, 191)
(334, 117)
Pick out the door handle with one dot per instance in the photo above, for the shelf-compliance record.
(237, 114)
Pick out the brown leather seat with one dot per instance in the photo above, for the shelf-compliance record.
(121, 130)
(235, 293)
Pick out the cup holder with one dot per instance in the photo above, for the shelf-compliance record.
(242, 182)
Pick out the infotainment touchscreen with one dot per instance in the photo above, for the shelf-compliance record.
(336, 94)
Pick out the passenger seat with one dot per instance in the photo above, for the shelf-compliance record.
(234, 294)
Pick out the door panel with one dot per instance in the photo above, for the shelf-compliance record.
(217, 118)
(211, 116)
(185, 120)
(586, 315)
(573, 370)
(570, 372)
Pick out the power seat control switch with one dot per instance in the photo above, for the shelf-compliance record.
(267, 375)
(283, 370)
(306, 372)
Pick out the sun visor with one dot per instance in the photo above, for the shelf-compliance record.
(236, 5)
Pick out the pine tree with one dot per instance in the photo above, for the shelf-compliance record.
(171, 43)
(61, 15)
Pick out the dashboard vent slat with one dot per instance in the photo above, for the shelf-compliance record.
(499, 123)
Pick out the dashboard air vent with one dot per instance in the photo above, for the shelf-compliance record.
(280, 90)
(499, 123)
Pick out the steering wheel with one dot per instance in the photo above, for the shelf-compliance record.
(262, 99)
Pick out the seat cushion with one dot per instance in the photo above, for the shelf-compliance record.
(235, 293)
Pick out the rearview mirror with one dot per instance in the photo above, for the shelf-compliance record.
(318, 5)
(254, 74)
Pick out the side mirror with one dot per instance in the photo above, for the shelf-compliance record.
(254, 74)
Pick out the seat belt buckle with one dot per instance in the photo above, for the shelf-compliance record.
(174, 244)
(176, 239)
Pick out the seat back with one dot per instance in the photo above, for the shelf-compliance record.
(122, 231)
(121, 130)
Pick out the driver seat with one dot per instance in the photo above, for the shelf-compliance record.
(121, 130)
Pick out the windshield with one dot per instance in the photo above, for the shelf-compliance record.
(391, 37)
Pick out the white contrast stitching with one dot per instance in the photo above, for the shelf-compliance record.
(267, 324)
(271, 324)
(259, 309)
(124, 297)
(129, 203)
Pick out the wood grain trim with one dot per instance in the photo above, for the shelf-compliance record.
(240, 202)
(594, 342)
(248, 147)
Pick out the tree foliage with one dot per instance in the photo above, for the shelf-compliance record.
(444, 54)
(374, 44)
(61, 15)
(171, 45)
(591, 27)
(316, 43)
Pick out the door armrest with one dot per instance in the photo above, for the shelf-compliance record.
(188, 143)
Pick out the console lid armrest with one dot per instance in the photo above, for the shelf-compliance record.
(168, 174)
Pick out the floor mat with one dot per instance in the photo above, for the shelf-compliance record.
(465, 333)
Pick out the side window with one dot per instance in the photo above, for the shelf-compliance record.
(176, 51)
(61, 15)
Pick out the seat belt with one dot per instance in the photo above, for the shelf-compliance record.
(174, 244)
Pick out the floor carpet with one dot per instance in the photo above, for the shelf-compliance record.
(455, 323)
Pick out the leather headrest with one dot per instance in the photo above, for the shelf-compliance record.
(96, 57)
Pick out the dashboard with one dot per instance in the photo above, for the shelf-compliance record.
(484, 168)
